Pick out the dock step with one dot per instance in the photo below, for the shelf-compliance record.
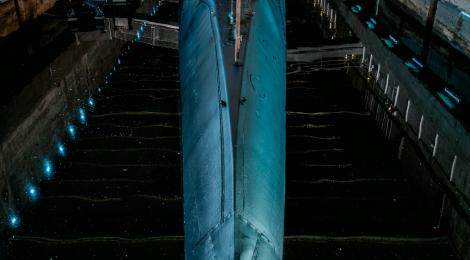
(118, 192)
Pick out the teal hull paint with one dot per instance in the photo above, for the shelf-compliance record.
(260, 152)
(233, 194)
(206, 137)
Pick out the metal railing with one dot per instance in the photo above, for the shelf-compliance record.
(155, 34)
(243, 12)
(398, 107)
(321, 65)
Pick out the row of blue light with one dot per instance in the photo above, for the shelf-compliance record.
(450, 99)
(31, 189)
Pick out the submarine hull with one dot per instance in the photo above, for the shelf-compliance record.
(233, 144)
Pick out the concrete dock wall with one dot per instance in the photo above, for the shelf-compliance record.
(14, 13)
(452, 20)
(431, 143)
(35, 121)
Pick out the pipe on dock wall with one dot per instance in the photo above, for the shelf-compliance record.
(260, 150)
(206, 136)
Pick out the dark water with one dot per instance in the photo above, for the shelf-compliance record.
(116, 192)
(346, 195)
(304, 27)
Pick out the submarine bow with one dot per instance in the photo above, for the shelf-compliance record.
(233, 128)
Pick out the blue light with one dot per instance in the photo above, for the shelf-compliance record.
(418, 62)
(412, 66)
(72, 131)
(32, 192)
(119, 62)
(393, 39)
(48, 168)
(388, 43)
(99, 90)
(356, 9)
(452, 95)
(370, 25)
(61, 149)
(91, 102)
(82, 115)
(446, 100)
(13, 220)
(373, 20)
(465, 14)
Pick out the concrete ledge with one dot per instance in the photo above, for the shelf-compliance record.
(35, 120)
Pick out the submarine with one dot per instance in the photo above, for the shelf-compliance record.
(233, 95)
